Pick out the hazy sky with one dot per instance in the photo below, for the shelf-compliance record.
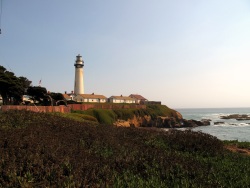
(192, 53)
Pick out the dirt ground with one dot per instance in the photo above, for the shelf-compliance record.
(238, 150)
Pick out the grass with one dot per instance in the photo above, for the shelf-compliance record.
(108, 116)
(46, 150)
(103, 116)
(161, 110)
(79, 117)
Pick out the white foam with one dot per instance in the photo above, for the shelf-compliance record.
(225, 124)
(244, 124)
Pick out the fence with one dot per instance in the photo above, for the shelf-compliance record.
(105, 106)
(67, 109)
(63, 109)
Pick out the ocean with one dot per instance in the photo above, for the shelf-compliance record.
(228, 129)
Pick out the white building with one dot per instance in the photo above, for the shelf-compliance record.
(121, 99)
(90, 98)
(138, 98)
(27, 99)
(79, 82)
(68, 97)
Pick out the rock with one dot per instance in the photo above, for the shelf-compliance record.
(122, 123)
(194, 123)
(206, 121)
(179, 116)
(219, 122)
(243, 119)
(239, 117)
(161, 122)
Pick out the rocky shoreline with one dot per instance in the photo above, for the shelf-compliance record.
(176, 121)
(162, 122)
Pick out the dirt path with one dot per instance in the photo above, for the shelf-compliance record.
(238, 150)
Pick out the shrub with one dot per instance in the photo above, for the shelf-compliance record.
(105, 116)
(81, 117)
(161, 110)
(47, 150)
(194, 142)
(102, 115)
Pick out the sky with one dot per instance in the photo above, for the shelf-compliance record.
(186, 54)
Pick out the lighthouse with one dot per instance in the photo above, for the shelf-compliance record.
(79, 83)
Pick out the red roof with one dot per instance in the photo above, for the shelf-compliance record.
(138, 97)
(121, 97)
(92, 96)
(66, 96)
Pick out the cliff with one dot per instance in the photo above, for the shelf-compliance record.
(159, 122)
(160, 116)
(152, 116)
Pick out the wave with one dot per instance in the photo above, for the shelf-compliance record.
(225, 124)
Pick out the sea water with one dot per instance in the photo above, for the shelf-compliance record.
(228, 129)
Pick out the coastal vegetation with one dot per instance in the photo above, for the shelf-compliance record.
(48, 150)
(109, 116)
(12, 88)
(79, 117)
(237, 144)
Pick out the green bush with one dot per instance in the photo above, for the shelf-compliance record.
(124, 114)
(161, 110)
(109, 116)
(102, 115)
(78, 117)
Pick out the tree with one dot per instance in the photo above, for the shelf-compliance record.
(58, 98)
(25, 83)
(4, 84)
(37, 93)
(12, 88)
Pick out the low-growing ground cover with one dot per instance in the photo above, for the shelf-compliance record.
(46, 150)
(109, 116)
(79, 117)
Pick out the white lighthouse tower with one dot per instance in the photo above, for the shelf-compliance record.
(79, 83)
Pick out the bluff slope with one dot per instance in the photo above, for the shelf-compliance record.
(159, 116)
